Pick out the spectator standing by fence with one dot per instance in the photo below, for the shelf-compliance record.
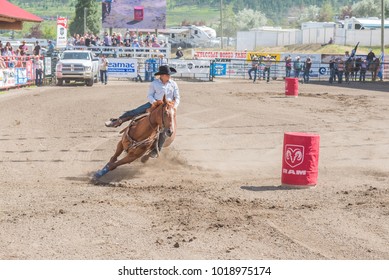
(307, 69)
(254, 66)
(150, 69)
(38, 66)
(288, 66)
(266, 71)
(37, 49)
(50, 47)
(103, 70)
(179, 53)
(23, 49)
(340, 70)
(297, 67)
(162, 60)
(362, 74)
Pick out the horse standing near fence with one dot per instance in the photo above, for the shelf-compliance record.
(352, 67)
(141, 135)
(374, 67)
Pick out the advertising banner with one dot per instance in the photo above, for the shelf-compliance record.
(122, 68)
(1, 78)
(190, 66)
(30, 74)
(221, 55)
(275, 56)
(21, 76)
(134, 14)
(47, 63)
(62, 30)
(219, 69)
(7, 77)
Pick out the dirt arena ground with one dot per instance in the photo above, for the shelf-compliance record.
(214, 194)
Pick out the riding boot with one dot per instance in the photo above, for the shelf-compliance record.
(161, 140)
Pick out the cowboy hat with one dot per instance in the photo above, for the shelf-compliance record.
(179, 48)
(165, 70)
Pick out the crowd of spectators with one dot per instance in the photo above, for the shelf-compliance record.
(11, 56)
(129, 39)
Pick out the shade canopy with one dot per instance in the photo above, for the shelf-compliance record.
(12, 16)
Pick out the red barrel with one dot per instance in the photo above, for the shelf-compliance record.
(300, 159)
(291, 87)
(138, 13)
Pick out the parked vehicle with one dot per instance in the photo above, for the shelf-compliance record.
(191, 36)
(77, 65)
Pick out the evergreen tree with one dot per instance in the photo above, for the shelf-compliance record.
(92, 18)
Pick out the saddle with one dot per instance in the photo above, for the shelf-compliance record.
(128, 142)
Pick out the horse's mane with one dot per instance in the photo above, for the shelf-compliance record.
(156, 104)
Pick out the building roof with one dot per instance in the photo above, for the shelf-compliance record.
(372, 23)
(11, 13)
(365, 23)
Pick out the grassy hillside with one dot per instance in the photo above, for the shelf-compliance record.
(177, 15)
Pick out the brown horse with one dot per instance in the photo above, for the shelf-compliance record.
(352, 67)
(374, 67)
(141, 135)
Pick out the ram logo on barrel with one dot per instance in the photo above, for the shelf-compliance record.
(294, 155)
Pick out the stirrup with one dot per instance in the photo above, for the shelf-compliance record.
(112, 123)
(153, 154)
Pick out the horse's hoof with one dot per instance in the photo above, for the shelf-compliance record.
(100, 173)
(144, 159)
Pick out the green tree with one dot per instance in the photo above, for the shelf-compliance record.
(90, 8)
(326, 12)
(247, 19)
(310, 13)
(346, 11)
(369, 8)
(229, 22)
(49, 32)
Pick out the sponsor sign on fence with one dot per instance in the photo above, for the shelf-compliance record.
(122, 68)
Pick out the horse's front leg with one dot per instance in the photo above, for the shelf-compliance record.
(126, 159)
(132, 155)
(118, 152)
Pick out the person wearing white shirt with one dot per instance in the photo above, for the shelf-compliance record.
(38, 67)
(159, 88)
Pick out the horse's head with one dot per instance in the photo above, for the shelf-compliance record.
(168, 116)
(164, 113)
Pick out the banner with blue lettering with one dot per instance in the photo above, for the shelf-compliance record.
(122, 68)
(21, 76)
(219, 69)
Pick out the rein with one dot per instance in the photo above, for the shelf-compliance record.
(163, 119)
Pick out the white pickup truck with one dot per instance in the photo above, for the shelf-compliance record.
(77, 65)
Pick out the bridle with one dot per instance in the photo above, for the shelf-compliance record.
(163, 118)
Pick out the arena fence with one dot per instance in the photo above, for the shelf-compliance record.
(17, 71)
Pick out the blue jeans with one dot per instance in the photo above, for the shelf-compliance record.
(251, 70)
(288, 71)
(38, 77)
(141, 110)
(137, 111)
(266, 74)
(103, 76)
(149, 76)
(306, 76)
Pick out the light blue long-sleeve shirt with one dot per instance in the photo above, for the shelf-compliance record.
(157, 90)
